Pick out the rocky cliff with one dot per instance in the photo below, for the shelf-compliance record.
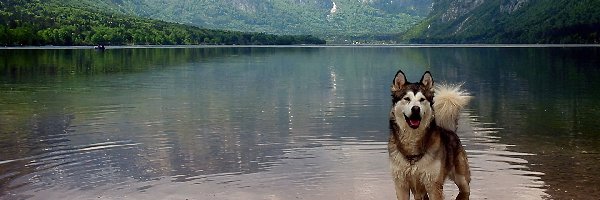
(509, 21)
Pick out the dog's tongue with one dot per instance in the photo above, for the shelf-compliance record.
(414, 122)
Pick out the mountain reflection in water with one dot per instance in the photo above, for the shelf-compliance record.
(278, 123)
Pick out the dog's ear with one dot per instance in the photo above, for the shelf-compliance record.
(427, 80)
(399, 81)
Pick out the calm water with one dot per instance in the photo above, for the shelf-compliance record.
(285, 122)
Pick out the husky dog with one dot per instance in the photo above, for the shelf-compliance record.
(423, 145)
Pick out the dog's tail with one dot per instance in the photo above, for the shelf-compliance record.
(448, 100)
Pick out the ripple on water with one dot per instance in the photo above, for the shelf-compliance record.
(494, 168)
(319, 167)
(64, 166)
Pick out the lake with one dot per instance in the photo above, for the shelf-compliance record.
(286, 122)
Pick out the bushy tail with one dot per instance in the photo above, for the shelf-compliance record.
(447, 103)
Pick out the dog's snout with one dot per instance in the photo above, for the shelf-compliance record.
(415, 109)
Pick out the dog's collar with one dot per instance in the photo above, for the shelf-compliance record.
(412, 159)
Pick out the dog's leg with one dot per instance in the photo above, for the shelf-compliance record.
(402, 189)
(463, 186)
(462, 176)
(462, 196)
(435, 191)
(421, 193)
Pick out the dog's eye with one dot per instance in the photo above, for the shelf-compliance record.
(406, 99)
(422, 99)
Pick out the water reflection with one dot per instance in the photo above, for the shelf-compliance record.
(541, 98)
(277, 123)
(495, 168)
(337, 168)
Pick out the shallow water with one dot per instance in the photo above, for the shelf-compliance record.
(285, 122)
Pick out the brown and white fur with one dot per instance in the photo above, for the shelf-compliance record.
(424, 148)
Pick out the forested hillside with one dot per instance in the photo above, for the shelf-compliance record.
(54, 22)
(117, 22)
(322, 18)
(509, 21)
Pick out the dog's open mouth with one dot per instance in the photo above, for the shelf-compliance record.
(413, 121)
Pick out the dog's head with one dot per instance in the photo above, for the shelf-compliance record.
(412, 102)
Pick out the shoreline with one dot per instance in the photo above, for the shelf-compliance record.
(318, 46)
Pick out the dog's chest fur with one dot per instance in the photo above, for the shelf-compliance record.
(425, 144)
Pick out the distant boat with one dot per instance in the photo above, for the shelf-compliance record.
(99, 47)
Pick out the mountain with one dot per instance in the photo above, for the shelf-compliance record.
(509, 21)
(73, 22)
(323, 18)
(56, 22)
